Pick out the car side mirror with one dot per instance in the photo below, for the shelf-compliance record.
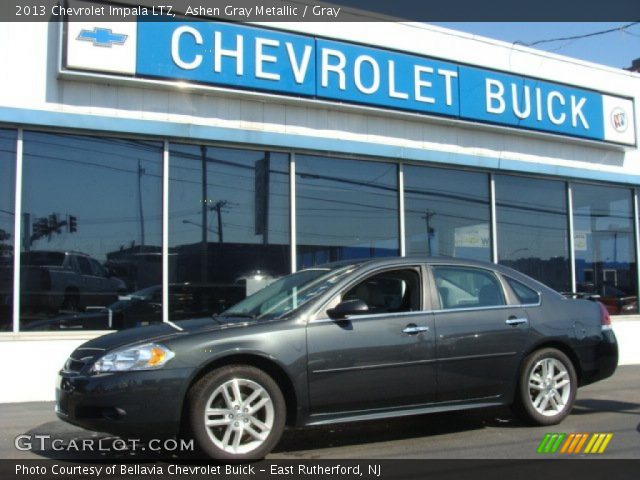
(348, 307)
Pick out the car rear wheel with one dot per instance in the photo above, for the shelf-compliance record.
(236, 413)
(547, 387)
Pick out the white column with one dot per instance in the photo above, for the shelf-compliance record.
(403, 247)
(494, 221)
(572, 254)
(17, 233)
(165, 232)
(292, 212)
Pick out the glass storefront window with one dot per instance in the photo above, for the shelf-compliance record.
(345, 209)
(447, 213)
(532, 226)
(604, 246)
(91, 235)
(7, 204)
(229, 226)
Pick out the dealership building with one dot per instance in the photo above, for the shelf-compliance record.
(153, 171)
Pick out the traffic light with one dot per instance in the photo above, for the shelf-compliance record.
(53, 223)
(43, 227)
(72, 224)
(40, 228)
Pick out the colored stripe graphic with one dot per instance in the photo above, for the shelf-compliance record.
(550, 442)
(573, 443)
(598, 442)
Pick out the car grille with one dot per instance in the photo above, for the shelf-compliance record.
(81, 358)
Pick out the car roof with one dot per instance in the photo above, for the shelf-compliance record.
(463, 262)
(382, 261)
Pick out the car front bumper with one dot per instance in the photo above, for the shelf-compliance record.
(142, 404)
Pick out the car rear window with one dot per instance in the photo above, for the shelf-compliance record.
(525, 294)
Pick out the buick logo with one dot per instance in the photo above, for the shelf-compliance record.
(619, 119)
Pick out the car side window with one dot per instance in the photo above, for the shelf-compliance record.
(392, 291)
(462, 287)
(98, 270)
(525, 295)
(84, 265)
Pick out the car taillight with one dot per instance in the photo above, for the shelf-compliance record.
(45, 280)
(605, 318)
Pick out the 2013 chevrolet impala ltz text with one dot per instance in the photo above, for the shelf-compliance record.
(346, 341)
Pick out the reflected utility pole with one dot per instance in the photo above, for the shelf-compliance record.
(262, 172)
(219, 205)
(141, 171)
(427, 217)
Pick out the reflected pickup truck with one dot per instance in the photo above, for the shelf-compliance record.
(54, 281)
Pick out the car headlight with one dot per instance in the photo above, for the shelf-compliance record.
(148, 356)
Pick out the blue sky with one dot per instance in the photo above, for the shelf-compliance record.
(615, 49)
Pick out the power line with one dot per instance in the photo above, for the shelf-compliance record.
(578, 37)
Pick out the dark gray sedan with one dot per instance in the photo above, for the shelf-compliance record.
(342, 342)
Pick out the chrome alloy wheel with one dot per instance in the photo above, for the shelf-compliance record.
(239, 416)
(549, 386)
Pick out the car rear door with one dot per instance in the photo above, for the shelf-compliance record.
(479, 337)
(384, 358)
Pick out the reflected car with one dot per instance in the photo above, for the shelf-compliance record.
(144, 307)
(616, 301)
(60, 281)
(139, 308)
(316, 347)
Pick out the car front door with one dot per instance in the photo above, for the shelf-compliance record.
(105, 291)
(479, 337)
(381, 359)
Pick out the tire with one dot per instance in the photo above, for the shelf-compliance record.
(241, 429)
(546, 388)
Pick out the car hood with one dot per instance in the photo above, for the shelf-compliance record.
(164, 331)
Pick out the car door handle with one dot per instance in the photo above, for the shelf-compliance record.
(514, 321)
(412, 329)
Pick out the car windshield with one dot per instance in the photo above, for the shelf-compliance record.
(288, 293)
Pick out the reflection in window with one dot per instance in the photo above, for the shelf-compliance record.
(460, 287)
(7, 199)
(229, 225)
(524, 294)
(345, 209)
(604, 246)
(91, 231)
(394, 291)
(447, 213)
(532, 228)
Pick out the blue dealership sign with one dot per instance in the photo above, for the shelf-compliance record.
(370, 76)
(529, 103)
(238, 56)
(228, 55)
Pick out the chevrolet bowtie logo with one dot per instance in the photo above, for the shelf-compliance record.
(102, 37)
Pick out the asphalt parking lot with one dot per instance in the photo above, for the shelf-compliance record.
(610, 406)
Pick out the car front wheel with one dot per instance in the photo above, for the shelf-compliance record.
(547, 388)
(236, 413)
